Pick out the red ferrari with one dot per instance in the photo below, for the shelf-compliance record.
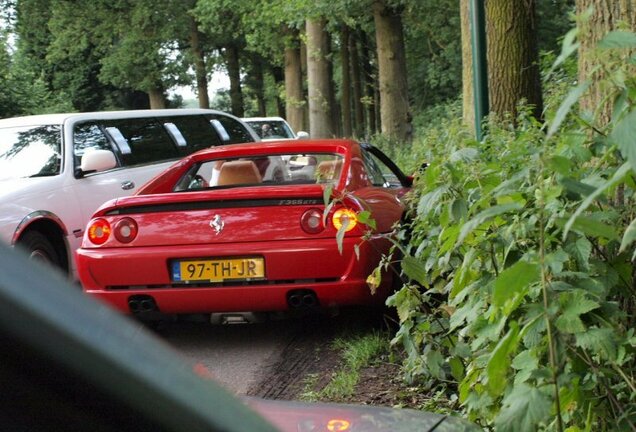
(245, 228)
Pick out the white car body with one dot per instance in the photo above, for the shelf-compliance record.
(58, 206)
(279, 126)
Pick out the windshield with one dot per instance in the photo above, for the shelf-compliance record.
(263, 170)
(30, 151)
(272, 129)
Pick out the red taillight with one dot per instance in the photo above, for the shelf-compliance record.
(99, 231)
(126, 230)
(344, 217)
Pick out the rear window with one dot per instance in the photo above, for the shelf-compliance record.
(263, 170)
(33, 151)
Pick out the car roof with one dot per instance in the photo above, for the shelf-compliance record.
(260, 119)
(60, 118)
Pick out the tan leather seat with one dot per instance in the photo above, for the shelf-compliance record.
(329, 170)
(238, 172)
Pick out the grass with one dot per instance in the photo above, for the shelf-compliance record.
(357, 351)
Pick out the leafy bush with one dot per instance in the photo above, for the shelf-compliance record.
(520, 260)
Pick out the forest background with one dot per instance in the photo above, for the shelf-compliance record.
(517, 259)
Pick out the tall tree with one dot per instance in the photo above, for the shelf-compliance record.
(231, 54)
(319, 86)
(596, 19)
(255, 81)
(433, 51)
(9, 101)
(394, 102)
(370, 85)
(199, 60)
(345, 90)
(513, 59)
(294, 93)
(278, 73)
(468, 106)
(135, 41)
(357, 79)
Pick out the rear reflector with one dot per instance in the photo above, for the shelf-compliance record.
(126, 230)
(311, 221)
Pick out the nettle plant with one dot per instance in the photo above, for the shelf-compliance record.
(520, 306)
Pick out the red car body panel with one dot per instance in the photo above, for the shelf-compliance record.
(290, 265)
(262, 221)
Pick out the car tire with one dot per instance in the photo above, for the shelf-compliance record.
(39, 248)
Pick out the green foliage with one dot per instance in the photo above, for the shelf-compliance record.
(520, 265)
(433, 51)
(8, 106)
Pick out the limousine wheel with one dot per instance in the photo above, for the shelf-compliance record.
(39, 248)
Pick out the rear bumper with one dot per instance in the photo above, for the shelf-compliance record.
(115, 275)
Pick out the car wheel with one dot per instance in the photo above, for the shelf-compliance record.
(39, 248)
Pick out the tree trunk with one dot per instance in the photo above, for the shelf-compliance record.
(320, 121)
(356, 84)
(157, 98)
(258, 80)
(513, 69)
(370, 86)
(376, 107)
(303, 70)
(394, 102)
(334, 107)
(279, 79)
(606, 15)
(468, 102)
(294, 96)
(234, 73)
(199, 65)
(345, 91)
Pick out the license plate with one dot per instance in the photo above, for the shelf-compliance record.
(218, 270)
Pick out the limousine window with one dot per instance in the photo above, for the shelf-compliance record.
(197, 132)
(88, 136)
(145, 140)
(234, 130)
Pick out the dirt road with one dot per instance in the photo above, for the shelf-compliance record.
(267, 359)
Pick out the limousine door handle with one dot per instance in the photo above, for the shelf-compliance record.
(127, 185)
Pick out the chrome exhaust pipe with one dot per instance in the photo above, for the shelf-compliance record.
(295, 301)
(310, 300)
(142, 304)
(302, 299)
(133, 305)
(147, 305)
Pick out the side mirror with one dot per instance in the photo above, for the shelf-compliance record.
(97, 160)
(302, 135)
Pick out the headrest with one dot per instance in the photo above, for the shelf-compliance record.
(238, 172)
(329, 170)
